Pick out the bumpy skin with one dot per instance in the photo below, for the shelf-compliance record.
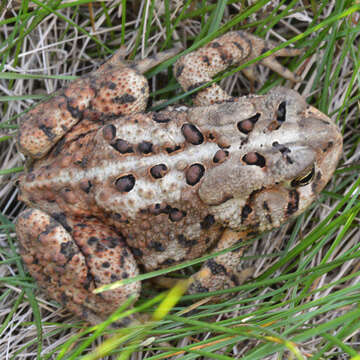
(113, 187)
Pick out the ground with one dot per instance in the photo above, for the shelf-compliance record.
(306, 280)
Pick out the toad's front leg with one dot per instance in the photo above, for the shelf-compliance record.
(223, 271)
(69, 261)
(232, 49)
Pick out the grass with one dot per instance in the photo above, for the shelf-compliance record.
(303, 301)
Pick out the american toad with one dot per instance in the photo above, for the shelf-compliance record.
(112, 188)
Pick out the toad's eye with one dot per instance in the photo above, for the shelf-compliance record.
(304, 179)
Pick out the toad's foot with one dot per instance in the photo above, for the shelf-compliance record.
(232, 49)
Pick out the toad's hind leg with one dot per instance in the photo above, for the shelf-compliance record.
(115, 89)
(69, 264)
(232, 49)
(223, 271)
(98, 97)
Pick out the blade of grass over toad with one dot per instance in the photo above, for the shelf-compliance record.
(171, 299)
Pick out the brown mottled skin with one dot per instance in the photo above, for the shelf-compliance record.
(112, 187)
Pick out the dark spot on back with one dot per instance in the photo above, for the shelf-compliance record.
(68, 249)
(179, 70)
(176, 214)
(184, 242)
(268, 218)
(158, 171)
(194, 173)
(122, 146)
(114, 277)
(220, 156)
(226, 57)
(246, 126)
(238, 46)
(61, 218)
(175, 148)
(254, 158)
(246, 210)
(195, 86)
(168, 262)
(47, 130)
(206, 60)
(85, 185)
(157, 246)
(266, 206)
(328, 146)
(192, 134)
(109, 132)
(124, 99)
(215, 45)
(145, 147)
(136, 252)
(282, 148)
(59, 146)
(215, 267)
(160, 117)
(92, 240)
(208, 221)
(293, 204)
(281, 112)
(125, 183)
